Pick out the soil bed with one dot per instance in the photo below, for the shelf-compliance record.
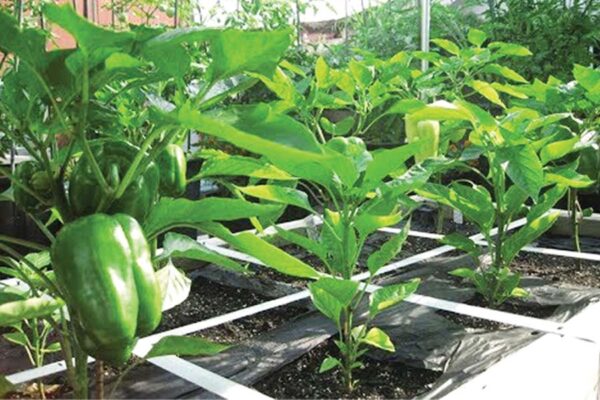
(478, 323)
(558, 269)
(378, 380)
(209, 299)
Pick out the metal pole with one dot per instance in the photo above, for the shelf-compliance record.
(425, 30)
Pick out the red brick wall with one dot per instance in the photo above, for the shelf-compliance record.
(99, 15)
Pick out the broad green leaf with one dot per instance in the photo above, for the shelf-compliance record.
(514, 200)
(28, 44)
(467, 273)
(523, 167)
(7, 195)
(567, 176)
(504, 72)
(6, 386)
(89, 37)
(367, 223)
(447, 45)
(509, 49)
(556, 150)
(387, 251)
(547, 201)
(331, 296)
(524, 236)
(519, 293)
(174, 285)
(18, 338)
(476, 37)
(361, 73)
(387, 161)
(487, 91)
(272, 256)
(389, 296)
(177, 245)
(35, 307)
(405, 106)
(185, 346)
(443, 111)
(304, 242)
(378, 338)
(223, 164)
(587, 77)
(171, 213)
(278, 194)
(322, 75)
(545, 121)
(511, 90)
(329, 363)
(340, 128)
(462, 243)
(475, 206)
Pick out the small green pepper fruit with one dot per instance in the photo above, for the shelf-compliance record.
(428, 133)
(30, 174)
(103, 266)
(173, 166)
(114, 159)
(354, 148)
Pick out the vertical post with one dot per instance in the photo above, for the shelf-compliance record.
(347, 14)
(176, 14)
(425, 30)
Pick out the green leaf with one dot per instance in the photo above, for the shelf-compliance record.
(6, 386)
(547, 201)
(174, 285)
(442, 111)
(514, 200)
(462, 243)
(567, 176)
(405, 106)
(340, 128)
(272, 256)
(509, 49)
(587, 77)
(35, 307)
(476, 37)
(306, 243)
(388, 250)
(177, 245)
(523, 167)
(387, 161)
(513, 244)
(7, 195)
(447, 45)
(519, 293)
(330, 296)
(389, 296)
(504, 72)
(546, 120)
(378, 338)
(278, 194)
(322, 74)
(367, 223)
(18, 338)
(222, 164)
(556, 150)
(361, 73)
(185, 346)
(329, 363)
(171, 213)
(467, 273)
(28, 44)
(487, 91)
(511, 90)
(89, 37)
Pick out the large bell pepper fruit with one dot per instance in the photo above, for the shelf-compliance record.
(103, 266)
(173, 167)
(427, 133)
(30, 174)
(114, 158)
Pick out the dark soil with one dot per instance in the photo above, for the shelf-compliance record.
(513, 308)
(209, 299)
(558, 269)
(378, 380)
(587, 244)
(425, 220)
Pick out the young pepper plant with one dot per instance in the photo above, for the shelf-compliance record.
(515, 175)
(360, 193)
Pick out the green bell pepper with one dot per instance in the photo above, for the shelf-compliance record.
(173, 166)
(114, 159)
(104, 269)
(30, 174)
(354, 148)
(428, 133)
